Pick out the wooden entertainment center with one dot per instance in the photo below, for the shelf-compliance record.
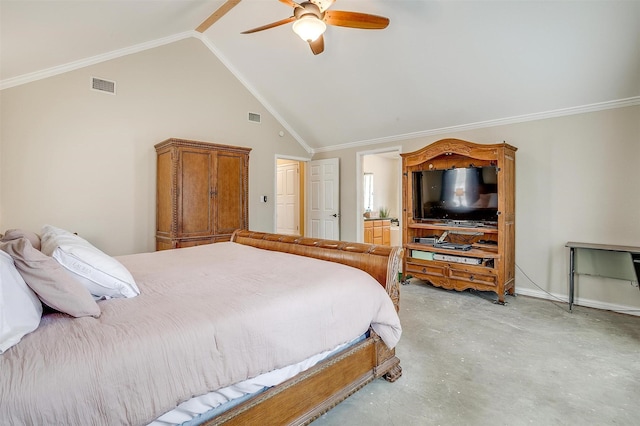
(483, 257)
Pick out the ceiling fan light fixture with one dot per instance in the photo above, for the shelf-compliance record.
(309, 27)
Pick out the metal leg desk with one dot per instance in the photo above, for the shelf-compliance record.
(605, 260)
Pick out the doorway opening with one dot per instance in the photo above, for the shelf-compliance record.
(289, 215)
(379, 190)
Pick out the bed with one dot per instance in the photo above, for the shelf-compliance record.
(135, 390)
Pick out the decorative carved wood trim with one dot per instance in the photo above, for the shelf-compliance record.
(307, 396)
(199, 144)
(454, 146)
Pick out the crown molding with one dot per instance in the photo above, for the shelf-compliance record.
(71, 66)
(600, 106)
(61, 69)
(49, 72)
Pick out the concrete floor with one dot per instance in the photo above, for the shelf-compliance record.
(467, 361)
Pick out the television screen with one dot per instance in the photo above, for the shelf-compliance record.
(465, 194)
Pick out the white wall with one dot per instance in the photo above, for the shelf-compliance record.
(85, 161)
(576, 180)
(386, 181)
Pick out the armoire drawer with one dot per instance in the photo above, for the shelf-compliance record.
(426, 268)
(471, 276)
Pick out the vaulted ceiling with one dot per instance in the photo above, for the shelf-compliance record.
(438, 66)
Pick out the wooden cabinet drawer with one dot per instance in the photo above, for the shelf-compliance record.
(425, 268)
(472, 276)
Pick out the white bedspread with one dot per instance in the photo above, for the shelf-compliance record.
(207, 317)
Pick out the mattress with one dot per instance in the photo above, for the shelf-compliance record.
(202, 408)
(207, 317)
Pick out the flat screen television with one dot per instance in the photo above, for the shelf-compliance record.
(458, 194)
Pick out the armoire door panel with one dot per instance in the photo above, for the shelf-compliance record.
(229, 205)
(195, 196)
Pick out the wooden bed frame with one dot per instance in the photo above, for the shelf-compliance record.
(305, 397)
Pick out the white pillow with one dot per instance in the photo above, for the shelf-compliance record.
(100, 273)
(20, 308)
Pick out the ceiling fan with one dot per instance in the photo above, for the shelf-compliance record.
(310, 20)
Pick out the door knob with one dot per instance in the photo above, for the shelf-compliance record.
(335, 215)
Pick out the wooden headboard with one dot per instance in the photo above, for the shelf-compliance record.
(381, 262)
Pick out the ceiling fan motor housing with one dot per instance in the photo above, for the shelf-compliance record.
(307, 8)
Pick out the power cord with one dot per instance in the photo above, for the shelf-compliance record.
(553, 296)
(563, 301)
(534, 283)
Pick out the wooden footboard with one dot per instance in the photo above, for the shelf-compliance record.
(305, 397)
(308, 395)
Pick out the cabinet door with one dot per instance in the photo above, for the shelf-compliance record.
(377, 232)
(386, 233)
(368, 232)
(194, 193)
(229, 189)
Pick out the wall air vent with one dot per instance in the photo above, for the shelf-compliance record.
(254, 118)
(102, 85)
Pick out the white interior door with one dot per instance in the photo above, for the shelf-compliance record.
(287, 199)
(323, 200)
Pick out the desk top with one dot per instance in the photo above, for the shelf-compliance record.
(609, 247)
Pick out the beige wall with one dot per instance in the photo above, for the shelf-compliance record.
(386, 182)
(576, 180)
(85, 161)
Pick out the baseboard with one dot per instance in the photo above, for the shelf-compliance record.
(589, 303)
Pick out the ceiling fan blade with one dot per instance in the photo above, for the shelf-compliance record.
(219, 13)
(290, 3)
(363, 21)
(317, 46)
(272, 25)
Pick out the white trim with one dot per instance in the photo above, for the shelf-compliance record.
(50, 72)
(601, 106)
(275, 185)
(291, 157)
(589, 303)
(253, 91)
(61, 69)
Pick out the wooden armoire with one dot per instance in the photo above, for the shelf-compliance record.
(202, 192)
(487, 263)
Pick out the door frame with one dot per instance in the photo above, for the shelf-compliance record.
(302, 200)
(360, 187)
